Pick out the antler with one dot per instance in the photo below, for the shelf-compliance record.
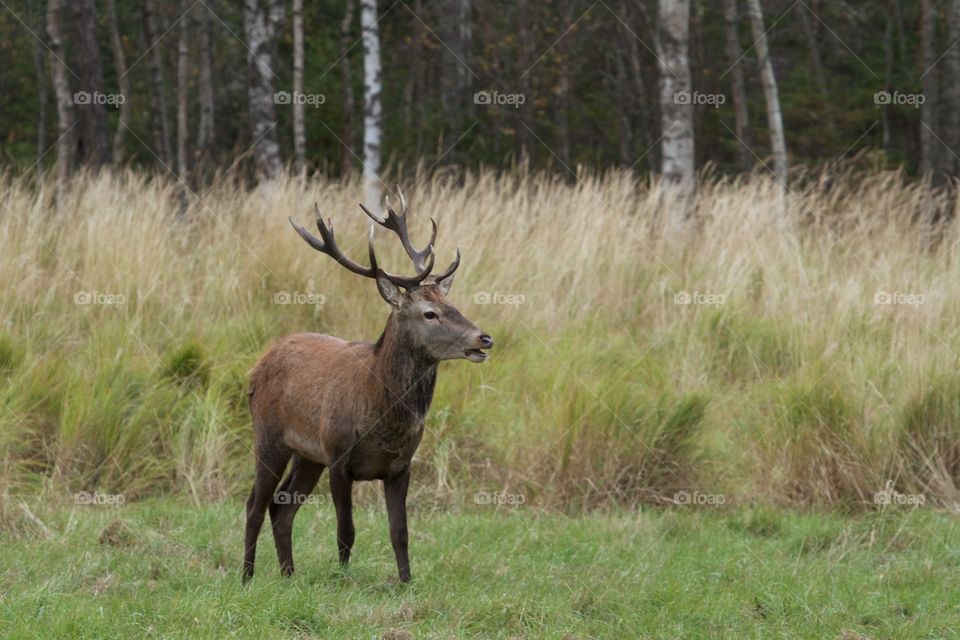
(328, 245)
(397, 222)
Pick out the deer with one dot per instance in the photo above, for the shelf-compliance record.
(356, 408)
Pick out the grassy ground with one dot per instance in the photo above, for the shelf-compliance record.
(163, 568)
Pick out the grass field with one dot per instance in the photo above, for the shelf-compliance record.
(163, 569)
(786, 373)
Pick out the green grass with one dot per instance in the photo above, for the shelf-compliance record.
(164, 568)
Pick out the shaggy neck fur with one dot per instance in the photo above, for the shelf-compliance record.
(408, 376)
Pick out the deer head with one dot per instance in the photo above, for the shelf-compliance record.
(426, 323)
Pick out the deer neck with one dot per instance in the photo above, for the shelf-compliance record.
(407, 376)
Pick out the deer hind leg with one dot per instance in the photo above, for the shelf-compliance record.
(271, 461)
(299, 483)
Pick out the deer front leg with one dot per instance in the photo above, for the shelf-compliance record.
(341, 488)
(395, 490)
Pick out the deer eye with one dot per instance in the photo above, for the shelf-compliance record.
(430, 315)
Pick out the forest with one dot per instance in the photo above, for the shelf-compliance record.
(467, 85)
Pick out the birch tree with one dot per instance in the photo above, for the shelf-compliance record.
(61, 88)
(261, 21)
(372, 110)
(676, 104)
(778, 145)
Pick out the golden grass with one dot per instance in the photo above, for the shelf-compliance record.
(783, 380)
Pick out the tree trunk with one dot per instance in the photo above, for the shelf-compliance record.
(159, 114)
(205, 126)
(91, 112)
(887, 78)
(564, 66)
(676, 112)
(349, 102)
(371, 104)
(928, 83)
(456, 95)
(299, 126)
(120, 66)
(739, 94)
(261, 19)
(952, 128)
(810, 33)
(778, 145)
(183, 130)
(61, 87)
(40, 72)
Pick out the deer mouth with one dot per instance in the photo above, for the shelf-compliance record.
(475, 355)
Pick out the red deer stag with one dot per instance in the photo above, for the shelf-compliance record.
(356, 408)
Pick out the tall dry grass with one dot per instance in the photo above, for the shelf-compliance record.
(783, 379)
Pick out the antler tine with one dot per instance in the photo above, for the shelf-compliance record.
(397, 222)
(327, 244)
(449, 272)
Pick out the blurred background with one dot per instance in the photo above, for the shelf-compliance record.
(194, 86)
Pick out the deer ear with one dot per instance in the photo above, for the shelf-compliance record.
(445, 284)
(389, 291)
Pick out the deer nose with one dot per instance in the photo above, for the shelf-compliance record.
(486, 342)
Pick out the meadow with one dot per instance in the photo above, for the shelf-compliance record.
(653, 388)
